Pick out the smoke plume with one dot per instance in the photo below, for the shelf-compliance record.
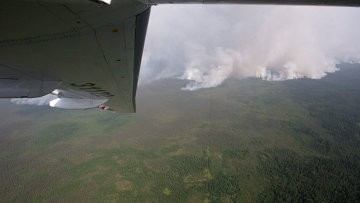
(208, 44)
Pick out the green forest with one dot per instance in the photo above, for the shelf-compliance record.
(246, 140)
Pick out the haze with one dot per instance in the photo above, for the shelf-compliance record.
(207, 44)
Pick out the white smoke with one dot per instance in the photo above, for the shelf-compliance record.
(208, 44)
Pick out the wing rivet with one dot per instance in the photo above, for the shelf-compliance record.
(115, 30)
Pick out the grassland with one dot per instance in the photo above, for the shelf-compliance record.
(245, 141)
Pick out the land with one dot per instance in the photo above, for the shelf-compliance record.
(246, 140)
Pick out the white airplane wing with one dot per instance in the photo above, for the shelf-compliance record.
(85, 46)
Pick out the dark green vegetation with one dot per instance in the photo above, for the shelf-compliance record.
(244, 141)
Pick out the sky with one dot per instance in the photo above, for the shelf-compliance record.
(207, 44)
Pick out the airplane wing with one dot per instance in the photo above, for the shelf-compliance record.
(85, 46)
(83, 53)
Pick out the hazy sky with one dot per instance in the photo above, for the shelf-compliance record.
(207, 44)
